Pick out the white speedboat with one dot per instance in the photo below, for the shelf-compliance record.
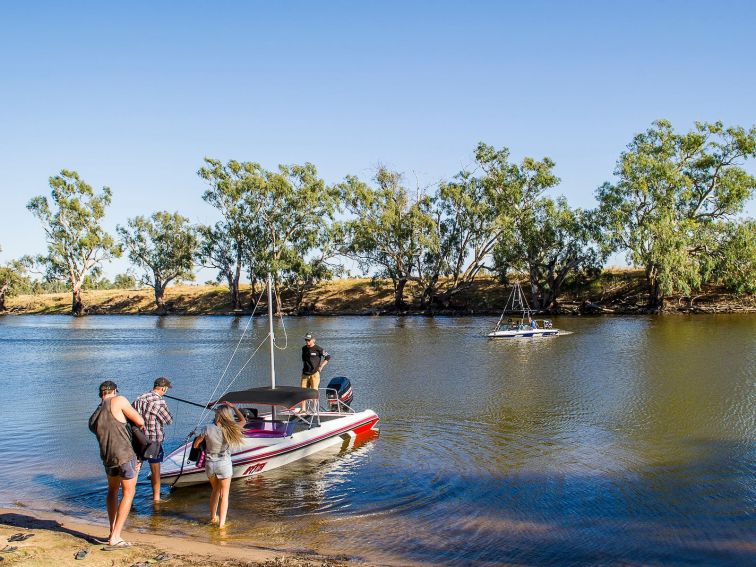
(524, 326)
(279, 436)
(277, 431)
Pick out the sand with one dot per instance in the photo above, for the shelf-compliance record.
(56, 539)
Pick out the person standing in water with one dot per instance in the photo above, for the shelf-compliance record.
(109, 423)
(152, 407)
(220, 436)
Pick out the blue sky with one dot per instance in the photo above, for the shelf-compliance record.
(133, 95)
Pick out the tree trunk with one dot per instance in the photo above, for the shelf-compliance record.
(277, 307)
(534, 292)
(655, 295)
(235, 295)
(77, 305)
(3, 291)
(430, 293)
(299, 299)
(160, 298)
(399, 293)
(555, 283)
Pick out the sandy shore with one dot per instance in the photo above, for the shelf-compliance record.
(56, 539)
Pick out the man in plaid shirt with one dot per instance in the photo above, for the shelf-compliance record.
(155, 412)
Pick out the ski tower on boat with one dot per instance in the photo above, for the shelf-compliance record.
(525, 327)
(284, 423)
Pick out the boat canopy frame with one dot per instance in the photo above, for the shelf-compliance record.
(516, 303)
(282, 396)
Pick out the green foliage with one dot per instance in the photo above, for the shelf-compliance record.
(275, 222)
(390, 231)
(734, 257)
(124, 281)
(293, 225)
(550, 242)
(474, 213)
(673, 191)
(226, 245)
(13, 280)
(162, 247)
(76, 243)
(92, 283)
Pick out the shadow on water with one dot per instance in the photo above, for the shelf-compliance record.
(671, 514)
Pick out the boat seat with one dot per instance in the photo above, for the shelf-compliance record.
(265, 428)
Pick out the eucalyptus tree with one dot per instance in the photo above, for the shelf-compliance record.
(732, 256)
(291, 228)
(672, 192)
(551, 242)
(77, 245)
(12, 279)
(226, 244)
(124, 281)
(390, 230)
(475, 210)
(163, 248)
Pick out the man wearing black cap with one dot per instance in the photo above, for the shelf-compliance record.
(314, 359)
(156, 414)
(108, 423)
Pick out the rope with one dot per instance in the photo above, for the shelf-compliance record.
(286, 337)
(243, 367)
(183, 458)
(212, 397)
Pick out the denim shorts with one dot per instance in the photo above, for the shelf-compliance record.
(127, 470)
(221, 468)
(159, 458)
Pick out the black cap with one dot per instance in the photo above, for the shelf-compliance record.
(108, 386)
(162, 382)
(309, 337)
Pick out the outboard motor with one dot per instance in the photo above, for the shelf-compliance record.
(339, 389)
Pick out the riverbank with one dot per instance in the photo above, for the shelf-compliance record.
(56, 540)
(613, 292)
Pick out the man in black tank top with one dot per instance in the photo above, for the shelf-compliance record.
(109, 423)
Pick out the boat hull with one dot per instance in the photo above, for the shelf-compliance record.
(523, 334)
(258, 455)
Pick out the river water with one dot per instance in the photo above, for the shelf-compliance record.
(633, 439)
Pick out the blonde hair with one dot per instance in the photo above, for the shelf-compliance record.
(231, 430)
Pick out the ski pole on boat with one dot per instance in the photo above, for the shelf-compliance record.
(203, 406)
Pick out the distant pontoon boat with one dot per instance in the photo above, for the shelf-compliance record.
(523, 327)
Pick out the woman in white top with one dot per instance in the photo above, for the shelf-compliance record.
(225, 432)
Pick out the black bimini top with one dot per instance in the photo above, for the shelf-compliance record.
(286, 396)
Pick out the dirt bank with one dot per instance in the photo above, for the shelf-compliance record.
(613, 292)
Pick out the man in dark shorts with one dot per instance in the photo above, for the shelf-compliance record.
(152, 407)
(109, 423)
(314, 359)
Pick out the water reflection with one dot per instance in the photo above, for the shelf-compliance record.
(630, 439)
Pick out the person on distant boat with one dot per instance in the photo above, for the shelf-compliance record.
(109, 423)
(314, 360)
(533, 324)
(225, 432)
(152, 407)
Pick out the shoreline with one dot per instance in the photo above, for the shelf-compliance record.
(57, 538)
(615, 294)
